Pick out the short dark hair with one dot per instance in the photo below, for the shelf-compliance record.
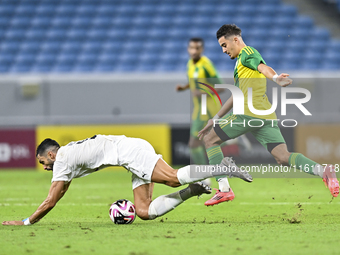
(45, 145)
(196, 39)
(228, 30)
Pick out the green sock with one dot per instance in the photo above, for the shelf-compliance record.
(302, 163)
(198, 155)
(215, 156)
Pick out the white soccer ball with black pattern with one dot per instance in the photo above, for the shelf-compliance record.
(122, 211)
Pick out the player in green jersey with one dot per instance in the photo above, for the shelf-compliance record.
(200, 67)
(251, 71)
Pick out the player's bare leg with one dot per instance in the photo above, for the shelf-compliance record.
(147, 209)
(142, 200)
(281, 154)
(327, 173)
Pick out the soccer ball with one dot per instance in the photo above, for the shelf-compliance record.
(122, 212)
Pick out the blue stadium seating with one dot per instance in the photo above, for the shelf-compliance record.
(151, 35)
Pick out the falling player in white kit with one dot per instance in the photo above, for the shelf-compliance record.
(78, 159)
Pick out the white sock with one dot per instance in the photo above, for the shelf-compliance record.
(190, 174)
(163, 204)
(183, 175)
(223, 184)
(318, 170)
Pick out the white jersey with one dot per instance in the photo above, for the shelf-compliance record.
(78, 159)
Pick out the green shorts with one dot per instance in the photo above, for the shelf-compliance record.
(266, 132)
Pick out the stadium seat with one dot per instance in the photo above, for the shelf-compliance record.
(303, 22)
(46, 59)
(20, 22)
(276, 46)
(305, 65)
(41, 23)
(147, 9)
(20, 68)
(10, 47)
(320, 34)
(262, 21)
(82, 29)
(101, 22)
(76, 34)
(45, 10)
(283, 21)
(284, 66)
(41, 68)
(29, 48)
(125, 67)
(61, 23)
(271, 58)
(207, 10)
(70, 48)
(168, 8)
(86, 10)
(329, 66)
(56, 35)
(286, 11)
(25, 10)
(6, 59)
(15, 34)
(334, 45)
(332, 56)
(153, 46)
(282, 34)
(50, 47)
(317, 46)
(246, 10)
(299, 34)
(311, 56)
(37, 35)
(66, 10)
(266, 10)
(7, 10)
(81, 22)
(108, 59)
(97, 34)
(92, 47)
(145, 67)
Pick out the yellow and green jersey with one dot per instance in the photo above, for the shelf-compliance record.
(247, 76)
(202, 69)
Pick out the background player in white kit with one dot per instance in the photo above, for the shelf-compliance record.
(78, 159)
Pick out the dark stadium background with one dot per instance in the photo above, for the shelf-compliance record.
(98, 65)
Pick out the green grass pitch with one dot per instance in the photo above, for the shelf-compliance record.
(268, 216)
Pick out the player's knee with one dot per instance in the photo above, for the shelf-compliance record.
(142, 213)
(282, 160)
(173, 184)
(207, 141)
(142, 209)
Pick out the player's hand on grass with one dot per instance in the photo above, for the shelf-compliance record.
(283, 80)
(206, 129)
(13, 222)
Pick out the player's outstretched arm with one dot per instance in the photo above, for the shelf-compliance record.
(57, 191)
(269, 72)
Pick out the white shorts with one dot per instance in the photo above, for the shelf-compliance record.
(139, 157)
